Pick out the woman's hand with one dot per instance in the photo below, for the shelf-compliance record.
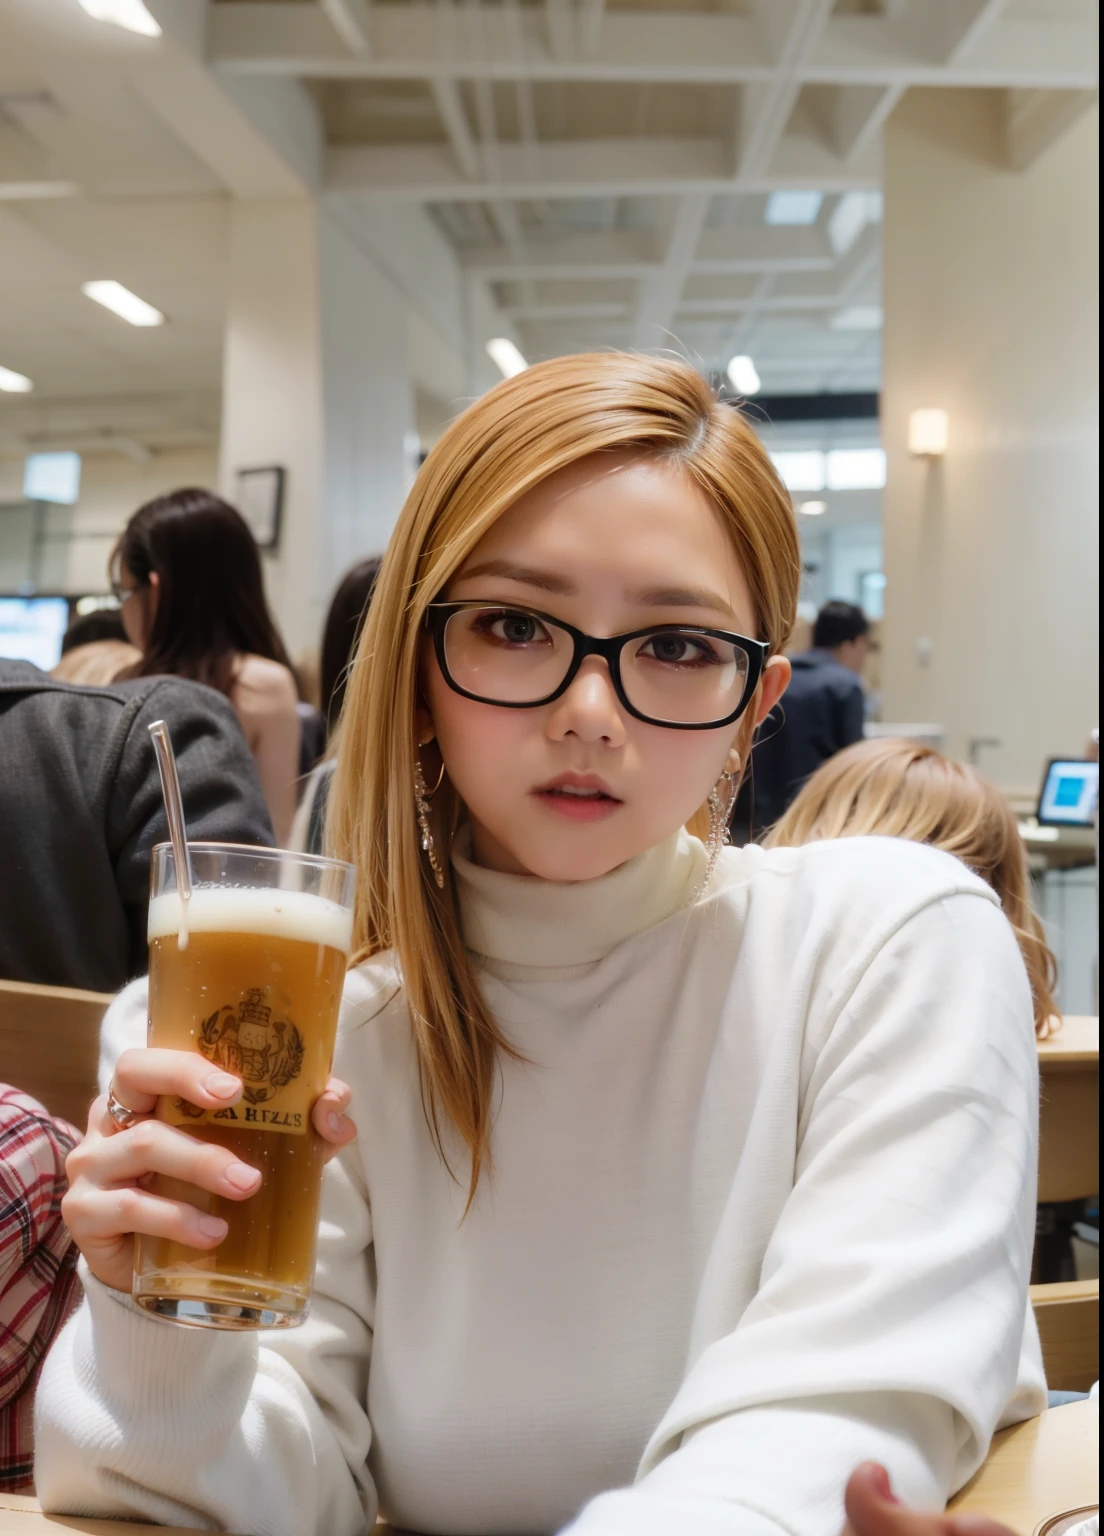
(873, 1510)
(108, 1199)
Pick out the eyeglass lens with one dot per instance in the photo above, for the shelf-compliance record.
(510, 656)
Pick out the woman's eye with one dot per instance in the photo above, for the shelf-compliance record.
(512, 628)
(678, 650)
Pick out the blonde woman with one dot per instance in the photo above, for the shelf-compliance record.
(664, 1213)
(898, 788)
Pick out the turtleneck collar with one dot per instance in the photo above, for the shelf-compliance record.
(522, 922)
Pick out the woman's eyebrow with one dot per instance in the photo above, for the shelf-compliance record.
(543, 581)
(680, 597)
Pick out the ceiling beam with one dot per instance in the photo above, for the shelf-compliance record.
(660, 291)
(792, 29)
(591, 13)
(351, 20)
(559, 19)
(415, 41)
(260, 137)
(1034, 120)
(644, 166)
(633, 254)
(859, 114)
(454, 120)
(966, 23)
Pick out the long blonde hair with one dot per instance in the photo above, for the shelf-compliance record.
(896, 788)
(554, 414)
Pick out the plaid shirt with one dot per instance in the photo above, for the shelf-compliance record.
(38, 1268)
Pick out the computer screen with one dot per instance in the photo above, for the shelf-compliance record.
(31, 629)
(1069, 793)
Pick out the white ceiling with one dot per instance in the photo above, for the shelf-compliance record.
(602, 165)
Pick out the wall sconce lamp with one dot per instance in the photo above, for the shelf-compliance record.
(927, 434)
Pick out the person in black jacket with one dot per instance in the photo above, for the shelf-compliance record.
(81, 807)
(821, 713)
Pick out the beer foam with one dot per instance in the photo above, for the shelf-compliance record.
(240, 909)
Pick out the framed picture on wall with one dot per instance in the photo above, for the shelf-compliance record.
(259, 494)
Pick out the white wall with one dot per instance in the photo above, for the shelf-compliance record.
(80, 537)
(991, 313)
(370, 451)
(272, 391)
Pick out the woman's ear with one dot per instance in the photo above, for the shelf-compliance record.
(775, 681)
(424, 729)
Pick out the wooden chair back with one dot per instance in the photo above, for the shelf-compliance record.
(50, 1045)
(1069, 1116)
(1068, 1315)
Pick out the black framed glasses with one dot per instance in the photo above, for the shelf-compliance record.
(121, 593)
(683, 676)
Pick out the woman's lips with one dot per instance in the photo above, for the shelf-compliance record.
(578, 804)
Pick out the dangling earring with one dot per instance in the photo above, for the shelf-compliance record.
(720, 808)
(421, 801)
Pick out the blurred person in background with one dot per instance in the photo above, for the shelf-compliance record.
(897, 788)
(187, 573)
(344, 621)
(348, 610)
(81, 808)
(95, 649)
(822, 713)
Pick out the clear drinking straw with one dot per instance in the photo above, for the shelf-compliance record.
(174, 810)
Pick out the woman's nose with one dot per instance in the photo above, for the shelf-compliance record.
(590, 709)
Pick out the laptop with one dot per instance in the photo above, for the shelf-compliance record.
(1069, 793)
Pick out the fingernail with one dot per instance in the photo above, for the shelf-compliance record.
(222, 1085)
(880, 1478)
(337, 1123)
(213, 1226)
(241, 1176)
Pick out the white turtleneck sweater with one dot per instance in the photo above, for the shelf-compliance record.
(762, 1208)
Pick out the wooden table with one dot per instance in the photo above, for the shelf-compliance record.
(1069, 1121)
(1037, 1469)
(1034, 1470)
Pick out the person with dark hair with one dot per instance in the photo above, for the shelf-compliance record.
(344, 622)
(822, 713)
(89, 628)
(187, 573)
(348, 609)
(843, 631)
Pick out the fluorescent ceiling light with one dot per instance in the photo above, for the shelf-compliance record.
(801, 471)
(850, 216)
(858, 317)
(128, 306)
(813, 508)
(744, 376)
(14, 383)
(927, 433)
(856, 469)
(793, 207)
(130, 14)
(505, 356)
(52, 477)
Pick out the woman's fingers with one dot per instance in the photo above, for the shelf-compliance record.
(143, 1075)
(872, 1510)
(329, 1117)
(106, 1213)
(153, 1147)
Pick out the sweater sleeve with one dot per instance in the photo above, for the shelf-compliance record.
(893, 1298)
(253, 1432)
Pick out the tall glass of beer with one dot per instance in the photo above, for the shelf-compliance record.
(249, 973)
